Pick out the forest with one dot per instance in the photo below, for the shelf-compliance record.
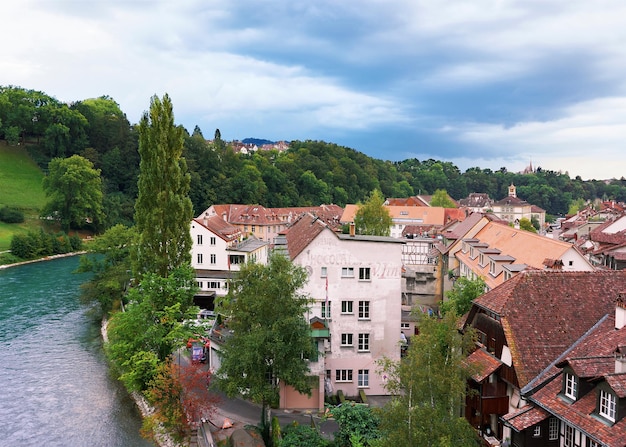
(308, 173)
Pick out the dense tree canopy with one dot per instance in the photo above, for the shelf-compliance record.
(428, 388)
(309, 173)
(74, 191)
(270, 339)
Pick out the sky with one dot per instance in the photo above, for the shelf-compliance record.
(478, 83)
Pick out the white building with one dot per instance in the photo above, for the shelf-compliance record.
(218, 249)
(355, 282)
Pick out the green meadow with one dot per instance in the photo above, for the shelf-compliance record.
(20, 187)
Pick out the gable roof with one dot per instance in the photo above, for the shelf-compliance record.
(219, 227)
(302, 233)
(524, 247)
(591, 358)
(543, 313)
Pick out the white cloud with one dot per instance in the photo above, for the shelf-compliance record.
(587, 140)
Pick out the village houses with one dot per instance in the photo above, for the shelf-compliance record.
(543, 344)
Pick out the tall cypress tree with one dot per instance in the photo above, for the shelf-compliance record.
(163, 209)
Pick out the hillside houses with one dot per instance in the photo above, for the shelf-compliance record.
(530, 329)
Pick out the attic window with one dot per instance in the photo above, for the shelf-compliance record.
(404, 213)
(570, 385)
(607, 405)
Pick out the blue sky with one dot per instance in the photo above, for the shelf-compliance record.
(487, 83)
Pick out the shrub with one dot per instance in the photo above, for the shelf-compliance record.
(11, 215)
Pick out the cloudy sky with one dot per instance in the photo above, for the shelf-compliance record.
(487, 83)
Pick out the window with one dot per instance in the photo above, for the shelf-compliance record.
(199, 283)
(537, 431)
(346, 307)
(199, 258)
(364, 310)
(364, 342)
(253, 228)
(594, 444)
(326, 309)
(568, 438)
(364, 273)
(570, 386)
(347, 272)
(363, 378)
(607, 405)
(214, 284)
(212, 240)
(492, 268)
(328, 374)
(199, 239)
(346, 339)
(324, 272)
(213, 258)
(405, 326)
(343, 375)
(553, 432)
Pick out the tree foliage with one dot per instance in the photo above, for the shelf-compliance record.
(109, 261)
(429, 386)
(527, 225)
(309, 173)
(372, 218)
(144, 336)
(74, 191)
(163, 209)
(270, 339)
(356, 422)
(440, 198)
(459, 298)
(178, 396)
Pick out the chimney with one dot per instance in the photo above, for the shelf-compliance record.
(205, 219)
(620, 310)
(620, 360)
(224, 216)
(352, 230)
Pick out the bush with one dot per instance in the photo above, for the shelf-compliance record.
(302, 436)
(11, 215)
(39, 243)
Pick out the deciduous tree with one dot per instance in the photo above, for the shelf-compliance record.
(429, 386)
(74, 191)
(372, 218)
(441, 198)
(163, 209)
(270, 340)
(460, 297)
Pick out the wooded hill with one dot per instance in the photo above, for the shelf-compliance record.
(309, 173)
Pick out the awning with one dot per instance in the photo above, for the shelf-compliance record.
(482, 364)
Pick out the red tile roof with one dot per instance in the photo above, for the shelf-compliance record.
(481, 364)
(526, 417)
(302, 233)
(543, 313)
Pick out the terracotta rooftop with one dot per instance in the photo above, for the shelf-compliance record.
(543, 313)
(526, 417)
(482, 364)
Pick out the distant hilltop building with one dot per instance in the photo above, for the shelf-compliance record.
(528, 169)
(250, 148)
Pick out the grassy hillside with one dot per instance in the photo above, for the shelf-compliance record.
(20, 187)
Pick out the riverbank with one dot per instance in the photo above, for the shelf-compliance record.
(162, 439)
(45, 258)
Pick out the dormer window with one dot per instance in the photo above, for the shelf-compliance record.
(571, 386)
(607, 405)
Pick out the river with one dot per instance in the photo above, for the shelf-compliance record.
(55, 388)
